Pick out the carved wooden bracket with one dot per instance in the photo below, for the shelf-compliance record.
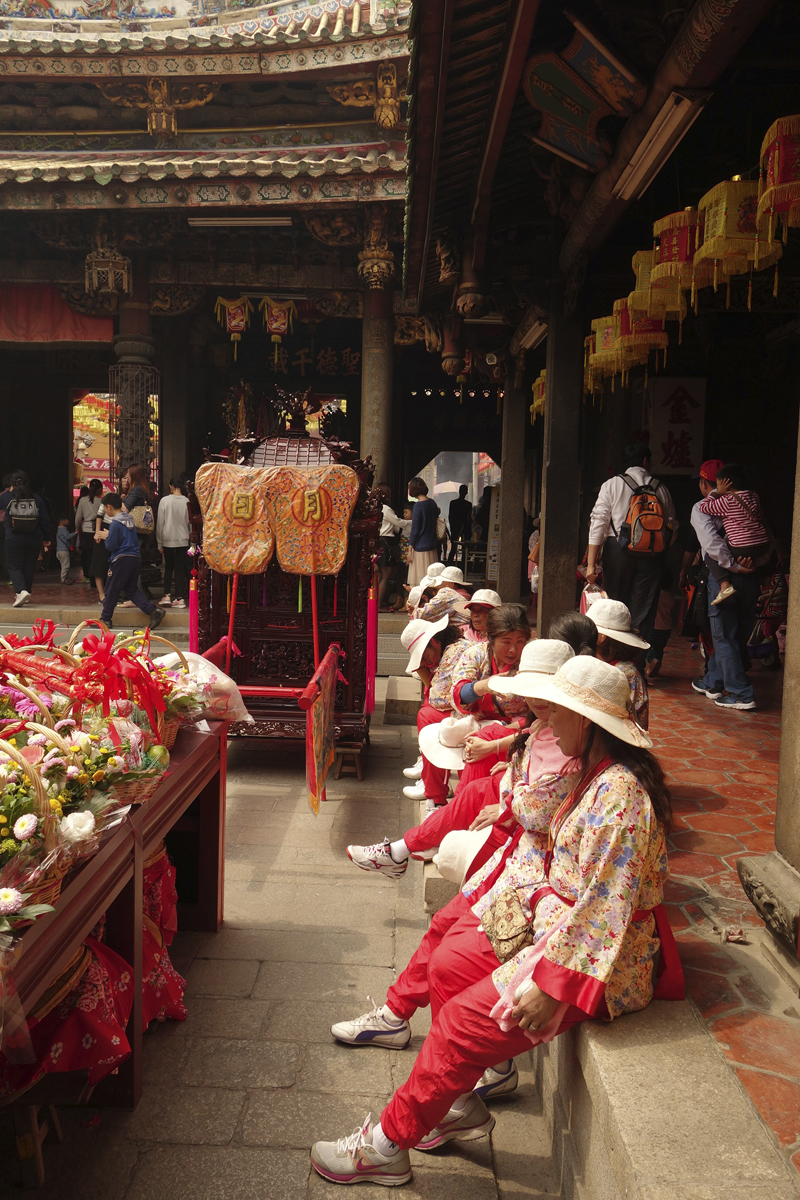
(376, 260)
(408, 330)
(161, 99)
(382, 93)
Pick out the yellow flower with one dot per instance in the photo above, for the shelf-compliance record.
(12, 741)
(93, 737)
(83, 777)
(55, 804)
(73, 748)
(98, 775)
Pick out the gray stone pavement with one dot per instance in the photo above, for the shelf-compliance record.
(234, 1096)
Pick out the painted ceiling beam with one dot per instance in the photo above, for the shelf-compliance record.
(430, 29)
(707, 42)
(513, 56)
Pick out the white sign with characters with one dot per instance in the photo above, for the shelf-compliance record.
(677, 417)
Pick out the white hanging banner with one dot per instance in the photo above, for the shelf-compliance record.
(677, 419)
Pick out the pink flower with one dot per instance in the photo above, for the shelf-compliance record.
(65, 724)
(10, 901)
(25, 827)
(32, 754)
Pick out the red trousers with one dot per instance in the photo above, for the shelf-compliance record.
(464, 1040)
(480, 770)
(450, 957)
(436, 779)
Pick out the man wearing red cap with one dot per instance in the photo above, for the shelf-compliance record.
(730, 623)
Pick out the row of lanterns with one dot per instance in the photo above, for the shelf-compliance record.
(733, 232)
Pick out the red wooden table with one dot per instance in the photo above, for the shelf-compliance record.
(111, 883)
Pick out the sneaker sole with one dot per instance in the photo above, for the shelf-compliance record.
(424, 855)
(504, 1088)
(364, 1177)
(459, 1135)
(377, 1040)
(375, 870)
(704, 692)
(739, 707)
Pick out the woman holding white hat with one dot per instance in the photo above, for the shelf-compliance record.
(481, 603)
(583, 936)
(621, 646)
(485, 802)
(435, 648)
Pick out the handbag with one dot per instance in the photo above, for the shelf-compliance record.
(506, 925)
(143, 519)
(441, 529)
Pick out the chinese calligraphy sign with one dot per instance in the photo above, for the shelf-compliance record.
(676, 435)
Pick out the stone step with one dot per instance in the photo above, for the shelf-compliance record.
(403, 700)
(436, 891)
(392, 658)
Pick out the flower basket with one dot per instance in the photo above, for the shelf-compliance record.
(136, 791)
(47, 888)
(34, 699)
(61, 987)
(79, 628)
(170, 732)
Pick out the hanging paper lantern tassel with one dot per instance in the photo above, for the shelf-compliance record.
(335, 594)
(300, 594)
(228, 597)
(276, 339)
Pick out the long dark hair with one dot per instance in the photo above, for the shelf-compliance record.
(611, 651)
(21, 487)
(138, 477)
(95, 488)
(445, 637)
(507, 618)
(643, 765)
(577, 630)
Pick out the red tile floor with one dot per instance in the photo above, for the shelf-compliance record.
(723, 771)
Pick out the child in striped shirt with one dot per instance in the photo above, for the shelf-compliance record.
(740, 510)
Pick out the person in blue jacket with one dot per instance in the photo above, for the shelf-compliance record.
(27, 530)
(125, 563)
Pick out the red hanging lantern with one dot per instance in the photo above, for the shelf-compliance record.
(234, 316)
(278, 319)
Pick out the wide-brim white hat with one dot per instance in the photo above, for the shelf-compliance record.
(434, 739)
(485, 596)
(435, 570)
(414, 596)
(544, 656)
(613, 618)
(452, 575)
(457, 852)
(597, 691)
(429, 581)
(415, 638)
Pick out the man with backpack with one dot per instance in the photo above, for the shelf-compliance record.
(632, 522)
(27, 527)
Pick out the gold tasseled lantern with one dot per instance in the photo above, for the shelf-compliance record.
(662, 299)
(603, 351)
(675, 241)
(539, 393)
(731, 238)
(779, 179)
(638, 336)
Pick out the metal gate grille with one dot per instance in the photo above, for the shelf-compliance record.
(134, 420)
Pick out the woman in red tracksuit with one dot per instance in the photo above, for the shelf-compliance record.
(570, 927)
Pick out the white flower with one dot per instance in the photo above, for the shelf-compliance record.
(72, 772)
(77, 827)
(25, 827)
(10, 901)
(38, 739)
(114, 761)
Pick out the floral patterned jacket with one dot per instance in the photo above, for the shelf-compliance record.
(477, 662)
(440, 692)
(610, 858)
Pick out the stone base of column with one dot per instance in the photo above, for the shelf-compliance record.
(773, 888)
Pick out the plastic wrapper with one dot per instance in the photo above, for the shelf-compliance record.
(591, 593)
(225, 701)
(237, 537)
(310, 509)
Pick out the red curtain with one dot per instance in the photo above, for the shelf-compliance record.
(35, 312)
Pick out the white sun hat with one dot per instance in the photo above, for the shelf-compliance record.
(613, 618)
(451, 575)
(485, 596)
(415, 638)
(435, 570)
(443, 744)
(414, 596)
(596, 690)
(429, 581)
(457, 852)
(544, 656)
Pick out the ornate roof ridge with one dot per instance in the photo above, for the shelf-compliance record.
(254, 26)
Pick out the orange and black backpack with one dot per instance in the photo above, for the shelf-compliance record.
(644, 529)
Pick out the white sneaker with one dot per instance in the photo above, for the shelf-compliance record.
(415, 791)
(373, 1029)
(354, 1159)
(178, 604)
(377, 858)
(424, 855)
(165, 600)
(21, 598)
(495, 1083)
(414, 772)
(473, 1122)
(431, 806)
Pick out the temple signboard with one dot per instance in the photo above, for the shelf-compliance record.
(677, 417)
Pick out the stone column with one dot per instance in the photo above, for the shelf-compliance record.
(512, 492)
(376, 268)
(772, 882)
(561, 467)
